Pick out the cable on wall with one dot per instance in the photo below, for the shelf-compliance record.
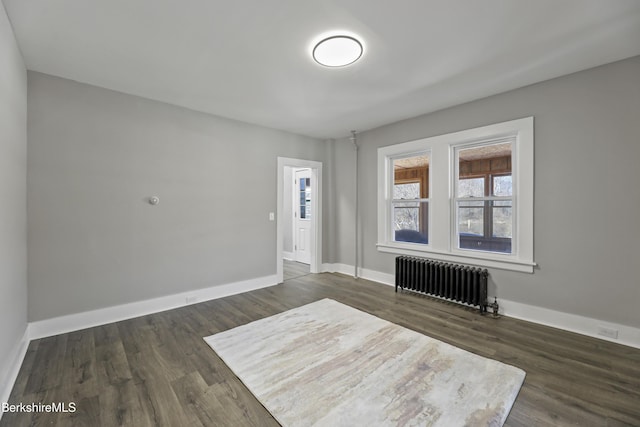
(355, 145)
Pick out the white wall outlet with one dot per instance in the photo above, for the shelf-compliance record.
(272, 216)
(191, 299)
(607, 332)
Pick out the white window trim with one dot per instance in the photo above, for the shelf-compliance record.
(441, 213)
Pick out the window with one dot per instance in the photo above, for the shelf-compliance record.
(410, 199)
(461, 197)
(483, 199)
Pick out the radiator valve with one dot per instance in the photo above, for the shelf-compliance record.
(494, 307)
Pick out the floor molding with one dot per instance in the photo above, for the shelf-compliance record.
(10, 375)
(289, 256)
(588, 326)
(365, 273)
(74, 322)
(102, 316)
(627, 335)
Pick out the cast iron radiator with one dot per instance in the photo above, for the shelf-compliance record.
(455, 282)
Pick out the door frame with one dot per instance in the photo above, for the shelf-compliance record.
(316, 212)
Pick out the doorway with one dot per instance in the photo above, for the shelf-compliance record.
(302, 215)
(299, 213)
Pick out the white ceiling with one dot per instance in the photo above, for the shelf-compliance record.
(250, 59)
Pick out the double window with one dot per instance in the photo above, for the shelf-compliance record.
(461, 197)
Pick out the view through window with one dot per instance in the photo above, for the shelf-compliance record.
(484, 198)
(410, 199)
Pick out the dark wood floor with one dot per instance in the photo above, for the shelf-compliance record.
(156, 370)
(293, 270)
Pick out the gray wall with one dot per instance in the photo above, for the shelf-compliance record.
(587, 189)
(343, 161)
(95, 155)
(13, 196)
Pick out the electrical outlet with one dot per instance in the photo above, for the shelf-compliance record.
(191, 299)
(607, 332)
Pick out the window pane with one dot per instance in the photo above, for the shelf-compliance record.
(410, 222)
(406, 218)
(305, 211)
(502, 186)
(406, 191)
(305, 198)
(471, 218)
(411, 177)
(471, 187)
(502, 220)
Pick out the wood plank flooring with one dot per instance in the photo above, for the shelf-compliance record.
(294, 269)
(157, 370)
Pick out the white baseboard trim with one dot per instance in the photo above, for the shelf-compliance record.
(10, 373)
(88, 319)
(588, 326)
(627, 335)
(337, 268)
(365, 273)
(289, 256)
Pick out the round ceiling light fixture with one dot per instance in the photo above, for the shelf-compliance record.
(337, 51)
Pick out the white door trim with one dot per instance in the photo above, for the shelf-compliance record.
(316, 212)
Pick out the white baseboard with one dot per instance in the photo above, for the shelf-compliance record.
(627, 335)
(88, 319)
(10, 373)
(589, 326)
(289, 256)
(365, 273)
(337, 268)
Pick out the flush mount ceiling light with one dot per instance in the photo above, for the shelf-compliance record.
(337, 51)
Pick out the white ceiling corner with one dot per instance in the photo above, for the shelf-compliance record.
(250, 60)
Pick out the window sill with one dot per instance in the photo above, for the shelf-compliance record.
(462, 257)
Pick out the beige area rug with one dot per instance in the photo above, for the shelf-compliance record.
(328, 364)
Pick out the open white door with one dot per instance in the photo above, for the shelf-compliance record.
(303, 199)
